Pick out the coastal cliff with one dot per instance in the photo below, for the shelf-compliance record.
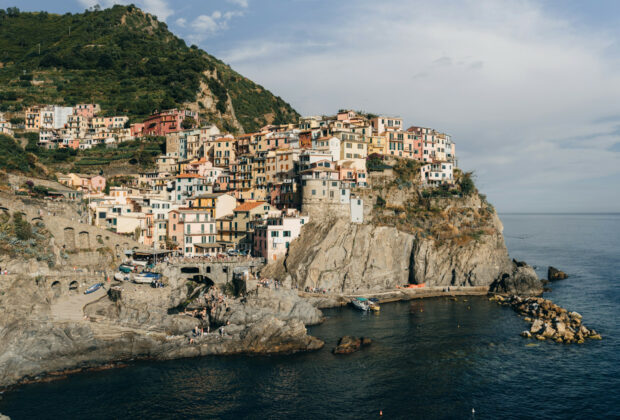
(409, 239)
(43, 334)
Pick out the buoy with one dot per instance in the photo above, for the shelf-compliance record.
(380, 412)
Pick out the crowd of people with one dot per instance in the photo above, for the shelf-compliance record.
(213, 299)
(270, 283)
(210, 258)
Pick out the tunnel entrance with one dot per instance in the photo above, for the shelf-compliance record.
(203, 280)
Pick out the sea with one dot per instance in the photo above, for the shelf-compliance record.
(430, 359)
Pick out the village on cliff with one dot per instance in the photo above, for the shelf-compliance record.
(213, 192)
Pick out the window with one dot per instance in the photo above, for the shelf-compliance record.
(313, 192)
(275, 233)
(286, 233)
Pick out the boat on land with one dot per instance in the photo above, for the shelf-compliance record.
(126, 268)
(146, 277)
(121, 276)
(361, 303)
(93, 288)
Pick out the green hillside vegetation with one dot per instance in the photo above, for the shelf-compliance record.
(123, 59)
(13, 158)
(139, 154)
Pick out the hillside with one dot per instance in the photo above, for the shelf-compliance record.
(127, 61)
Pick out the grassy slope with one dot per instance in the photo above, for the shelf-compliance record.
(123, 59)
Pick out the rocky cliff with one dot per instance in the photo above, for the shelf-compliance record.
(43, 333)
(443, 242)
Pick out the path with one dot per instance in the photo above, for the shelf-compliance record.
(71, 308)
(394, 295)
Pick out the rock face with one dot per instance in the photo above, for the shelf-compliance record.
(349, 344)
(139, 323)
(522, 280)
(555, 274)
(339, 256)
(283, 304)
(548, 320)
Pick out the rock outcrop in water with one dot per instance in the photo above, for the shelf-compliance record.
(555, 274)
(349, 344)
(548, 320)
(521, 281)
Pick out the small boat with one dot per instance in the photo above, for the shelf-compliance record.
(93, 288)
(146, 277)
(374, 304)
(125, 268)
(121, 276)
(361, 304)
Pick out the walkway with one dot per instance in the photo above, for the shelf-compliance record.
(71, 308)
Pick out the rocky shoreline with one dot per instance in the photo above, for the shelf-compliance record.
(548, 320)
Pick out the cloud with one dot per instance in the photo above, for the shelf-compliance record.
(181, 22)
(205, 25)
(240, 3)
(506, 79)
(159, 8)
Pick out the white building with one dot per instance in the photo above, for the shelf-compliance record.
(273, 239)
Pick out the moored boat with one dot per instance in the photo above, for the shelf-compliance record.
(374, 304)
(361, 304)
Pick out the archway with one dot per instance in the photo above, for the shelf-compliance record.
(84, 240)
(70, 238)
(73, 286)
(56, 288)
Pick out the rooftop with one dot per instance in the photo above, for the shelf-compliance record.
(250, 206)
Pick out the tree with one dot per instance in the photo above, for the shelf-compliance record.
(467, 183)
(137, 232)
(188, 123)
(12, 11)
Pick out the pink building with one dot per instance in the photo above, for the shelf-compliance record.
(97, 183)
(352, 175)
(164, 122)
(193, 230)
(87, 111)
(273, 239)
(136, 129)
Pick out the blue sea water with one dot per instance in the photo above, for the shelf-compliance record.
(430, 359)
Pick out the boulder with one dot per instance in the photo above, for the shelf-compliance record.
(555, 274)
(349, 344)
(549, 331)
(521, 280)
(537, 325)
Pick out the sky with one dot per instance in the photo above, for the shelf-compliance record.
(529, 91)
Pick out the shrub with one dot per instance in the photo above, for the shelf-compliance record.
(467, 183)
(23, 229)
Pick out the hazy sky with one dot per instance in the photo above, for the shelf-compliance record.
(530, 91)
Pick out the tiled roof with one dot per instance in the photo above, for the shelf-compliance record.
(250, 206)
